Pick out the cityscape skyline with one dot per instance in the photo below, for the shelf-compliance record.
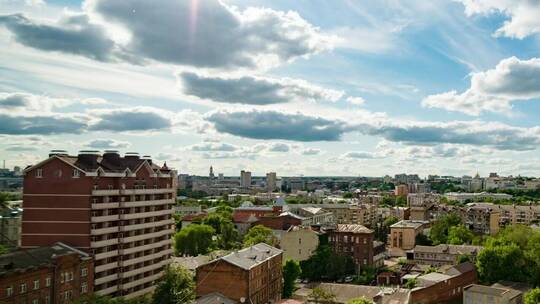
(446, 87)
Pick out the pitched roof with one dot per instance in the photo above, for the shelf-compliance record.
(214, 298)
(354, 228)
(252, 256)
(26, 259)
(461, 268)
(447, 248)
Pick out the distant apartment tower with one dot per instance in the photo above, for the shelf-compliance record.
(271, 181)
(401, 190)
(245, 179)
(118, 209)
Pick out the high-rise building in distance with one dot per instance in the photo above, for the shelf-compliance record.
(271, 181)
(245, 179)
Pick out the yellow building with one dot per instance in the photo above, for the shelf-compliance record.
(299, 243)
(403, 235)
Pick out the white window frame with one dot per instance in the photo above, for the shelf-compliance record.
(23, 288)
(9, 291)
(84, 287)
(39, 173)
(48, 281)
(76, 173)
(84, 272)
(36, 284)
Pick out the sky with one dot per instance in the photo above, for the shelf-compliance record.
(307, 87)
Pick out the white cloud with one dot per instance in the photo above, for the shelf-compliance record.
(107, 144)
(355, 100)
(523, 14)
(493, 90)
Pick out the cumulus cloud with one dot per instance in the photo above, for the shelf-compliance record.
(72, 34)
(130, 119)
(25, 102)
(361, 155)
(176, 32)
(107, 144)
(493, 90)
(311, 151)
(40, 124)
(276, 125)
(253, 90)
(212, 146)
(523, 15)
(355, 100)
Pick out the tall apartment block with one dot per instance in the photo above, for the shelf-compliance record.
(117, 209)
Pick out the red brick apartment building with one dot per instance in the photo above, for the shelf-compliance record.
(358, 242)
(251, 275)
(118, 209)
(45, 275)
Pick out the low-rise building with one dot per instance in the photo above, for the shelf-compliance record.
(10, 227)
(444, 287)
(358, 242)
(442, 254)
(251, 275)
(51, 274)
(299, 243)
(182, 210)
(463, 197)
(403, 235)
(420, 203)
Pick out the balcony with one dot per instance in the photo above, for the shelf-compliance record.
(109, 242)
(105, 205)
(107, 192)
(140, 292)
(106, 279)
(146, 236)
(147, 225)
(142, 281)
(148, 203)
(140, 270)
(105, 218)
(107, 291)
(105, 230)
(104, 255)
(146, 258)
(145, 247)
(146, 191)
(131, 216)
(106, 267)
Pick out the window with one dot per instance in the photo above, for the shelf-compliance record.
(62, 277)
(84, 272)
(69, 276)
(58, 173)
(68, 294)
(36, 284)
(47, 281)
(23, 287)
(299, 241)
(47, 300)
(84, 287)
(9, 291)
(365, 241)
(39, 173)
(35, 301)
(76, 173)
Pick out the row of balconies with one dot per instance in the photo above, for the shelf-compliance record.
(113, 205)
(109, 192)
(125, 240)
(129, 216)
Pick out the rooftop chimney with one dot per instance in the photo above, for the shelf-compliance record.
(88, 157)
(132, 155)
(58, 152)
(111, 156)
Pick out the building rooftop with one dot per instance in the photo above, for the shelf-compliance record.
(353, 228)
(26, 259)
(450, 249)
(252, 256)
(409, 224)
(214, 298)
(493, 291)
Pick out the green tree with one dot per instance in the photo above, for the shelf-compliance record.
(459, 235)
(501, 262)
(366, 276)
(347, 195)
(259, 234)
(401, 201)
(439, 230)
(321, 296)
(291, 272)
(422, 239)
(411, 283)
(98, 299)
(3, 249)
(193, 240)
(361, 300)
(532, 296)
(462, 258)
(228, 237)
(175, 287)
(214, 220)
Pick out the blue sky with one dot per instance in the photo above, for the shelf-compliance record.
(297, 87)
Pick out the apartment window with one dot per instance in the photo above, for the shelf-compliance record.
(35, 301)
(48, 281)
(365, 241)
(84, 287)
(299, 241)
(110, 187)
(39, 173)
(58, 173)
(62, 277)
(36, 284)
(9, 291)
(67, 294)
(23, 287)
(76, 173)
(47, 300)
(84, 272)
(365, 262)
(95, 187)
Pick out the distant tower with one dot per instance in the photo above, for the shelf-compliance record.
(211, 175)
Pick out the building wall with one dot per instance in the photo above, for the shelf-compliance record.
(471, 297)
(299, 244)
(358, 245)
(448, 290)
(403, 238)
